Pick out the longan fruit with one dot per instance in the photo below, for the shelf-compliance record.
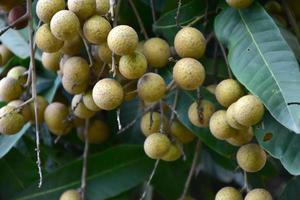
(219, 127)
(190, 42)
(157, 52)
(229, 91)
(242, 137)
(104, 53)
(156, 145)
(73, 87)
(173, 154)
(17, 73)
(72, 46)
(42, 104)
(46, 41)
(79, 109)
(251, 157)
(228, 193)
(188, 73)
(239, 4)
(65, 25)
(70, 195)
(258, 194)
(98, 132)
(45, 9)
(151, 87)
(249, 110)
(231, 120)
(10, 89)
(56, 118)
(201, 119)
(14, 14)
(155, 126)
(51, 60)
(102, 7)
(88, 101)
(25, 110)
(122, 40)
(211, 88)
(108, 94)
(133, 66)
(82, 8)
(181, 133)
(5, 53)
(96, 29)
(11, 122)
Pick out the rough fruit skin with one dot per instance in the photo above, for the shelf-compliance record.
(206, 110)
(122, 40)
(89, 102)
(242, 137)
(11, 122)
(228, 91)
(188, 73)
(56, 118)
(79, 109)
(104, 53)
(190, 42)
(51, 60)
(219, 127)
(15, 14)
(70, 195)
(108, 94)
(18, 74)
(25, 111)
(45, 9)
(72, 87)
(239, 4)
(133, 66)
(42, 104)
(251, 157)
(46, 41)
(228, 193)
(65, 25)
(157, 52)
(145, 123)
(151, 87)
(82, 8)
(181, 133)
(6, 54)
(156, 145)
(231, 120)
(72, 46)
(98, 132)
(96, 29)
(173, 154)
(258, 194)
(102, 6)
(10, 89)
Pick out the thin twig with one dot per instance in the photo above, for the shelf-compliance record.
(179, 3)
(119, 119)
(161, 109)
(87, 49)
(174, 108)
(153, 10)
(225, 58)
(112, 4)
(214, 64)
(140, 21)
(245, 186)
(291, 19)
(85, 163)
(18, 108)
(20, 19)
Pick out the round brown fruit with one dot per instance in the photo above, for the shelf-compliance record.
(42, 104)
(173, 154)
(14, 14)
(73, 46)
(242, 137)
(98, 132)
(133, 66)
(199, 115)
(70, 195)
(102, 7)
(157, 52)
(82, 8)
(181, 133)
(89, 102)
(79, 109)
(96, 29)
(231, 120)
(11, 122)
(239, 4)
(146, 122)
(104, 53)
(157, 145)
(51, 60)
(10, 89)
(18, 73)
(45, 9)
(258, 194)
(25, 110)
(228, 193)
(5, 53)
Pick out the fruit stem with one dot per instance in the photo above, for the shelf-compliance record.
(87, 49)
(226, 59)
(246, 186)
(153, 10)
(19, 20)
(84, 162)
(179, 3)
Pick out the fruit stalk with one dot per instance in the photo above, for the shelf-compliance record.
(85, 156)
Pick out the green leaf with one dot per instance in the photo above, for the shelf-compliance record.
(110, 173)
(50, 93)
(291, 190)
(261, 60)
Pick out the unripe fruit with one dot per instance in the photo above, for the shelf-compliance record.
(98, 132)
(96, 29)
(102, 7)
(239, 4)
(181, 133)
(241, 137)
(229, 91)
(156, 145)
(82, 8)
(155, 126)
(42, 104)
(251, 157)
(258, 194)
(10, 89)
(25, 110)
(211, 88)
(228, 193)
(104, 53)
(151, 87)
(122, 40)
(157, 52)
(201, 118)
(231, 120)
(11, 122)
(219, 127)
(65, 25)
(15, 14)
(79, 109)
(45, 9)
(70, 195)
(173, 153)
(133, 66)
(108, 94)
(188, 73)
(51, 60)
(190, 42)
(6, 54)
(72, 46)
(89, 102)
(46, 41)
(56, 118)
(18, 74)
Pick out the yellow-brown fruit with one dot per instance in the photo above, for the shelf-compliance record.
(173, 153)
(228, 193)
(56, 118)
(79, 109)
(248, 110)
(130, 91)
(82, 8)
(211, 88)
(108, 94)
(241, 137)
(45, 9)
(239, 4)
(157, 52)
(258, 194)
(219, 127)
(155, 126)
(7, 5)
(229, 91)
(72, 46)
(51, 60)
(62, 61)
(10, 89)
(65, 25)
(251, 157)
(42, 104)
(102, 7)
(156, 145)
(231, 120)
(6, 54)
(188, 73)
(181, 133)
(25, 110)
(18, 73)
(98, 132)
(190, 42)
(122, 40)
(200, 115)
(88, 101)
(151, 87)
(273, 7)
(133, 66)
(70, 195)
(77, 122)
(104, 53)
(11, 122)
(73, 87)
(96, 29)
(46, 41)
